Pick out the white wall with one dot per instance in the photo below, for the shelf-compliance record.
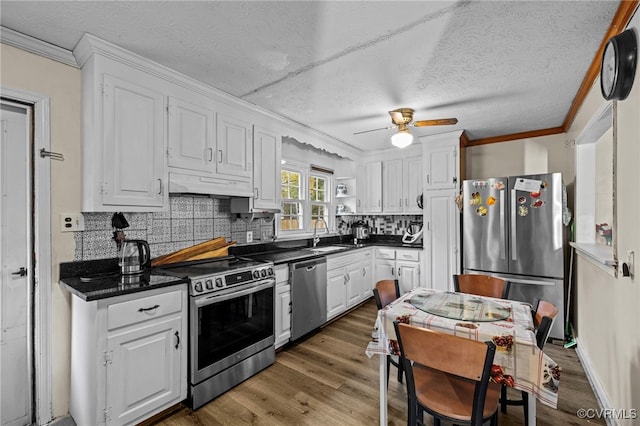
(61, 83)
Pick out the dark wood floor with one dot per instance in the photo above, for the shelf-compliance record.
(328, 380)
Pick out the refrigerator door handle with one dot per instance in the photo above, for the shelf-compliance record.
(503, 241)
(514, 251)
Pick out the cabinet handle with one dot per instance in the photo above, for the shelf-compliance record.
(177, 339)
(220, 156)
(290, 310)
(21, 272)
(393, 271)
(398, 271)
(364, 272)
(148, 309)
(428, 179)
(358, 203)
(160, 187)
(210, 154)
(455, 180)
(400, 202)
(255, 193)
(406, 202)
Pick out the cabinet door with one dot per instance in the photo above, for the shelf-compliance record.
(336, 292)
(133, 145)
(144, 372)
(283, 314)
(408, 275)
(385, 269)
(442, 167)
(353, 274)
(367, 276)
(361, 190)
(392, 195)
(235, 149)
(191, 136)
(267, 146)
(441, 239)
(412, 184)
(373, 195)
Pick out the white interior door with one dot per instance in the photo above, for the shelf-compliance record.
(15, 211)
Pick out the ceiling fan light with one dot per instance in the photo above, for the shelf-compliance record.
(402, 139)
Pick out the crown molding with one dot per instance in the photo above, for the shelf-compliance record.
(38, 47)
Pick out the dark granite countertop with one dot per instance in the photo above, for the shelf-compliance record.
(100, 279)
(296, 250)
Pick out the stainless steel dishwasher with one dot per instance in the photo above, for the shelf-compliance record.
(308, 296)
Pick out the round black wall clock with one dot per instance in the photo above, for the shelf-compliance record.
(618, 67)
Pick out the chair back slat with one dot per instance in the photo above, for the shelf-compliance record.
(451, 354)
(481, 285)
(544, 309)
(385, 292)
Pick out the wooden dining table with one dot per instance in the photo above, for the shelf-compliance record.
(518, 362)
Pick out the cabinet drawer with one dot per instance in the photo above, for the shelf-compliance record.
(282, 274)
(340, 260)
(385, 253)
(413, 255)
(143, 309)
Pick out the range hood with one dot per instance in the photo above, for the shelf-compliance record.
(245, 209)
(193, 184)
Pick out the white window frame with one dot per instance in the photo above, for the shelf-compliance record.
(305, 176)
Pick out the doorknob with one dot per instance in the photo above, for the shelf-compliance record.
(21, 272)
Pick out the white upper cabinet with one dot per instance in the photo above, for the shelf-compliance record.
(412, 184)
(191, 136)
(442, 165)
(392, 195)
(267, 152)
(373, 187)
(235, 146)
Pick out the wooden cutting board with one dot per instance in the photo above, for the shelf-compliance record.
(223, 251)
(189, 252)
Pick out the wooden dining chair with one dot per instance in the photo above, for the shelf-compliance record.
(385, 292)
(543, 314)
(447, 377)
(481, 285)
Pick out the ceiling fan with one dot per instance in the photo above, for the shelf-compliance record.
(402, 118)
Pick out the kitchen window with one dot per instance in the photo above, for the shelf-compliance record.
(306, 199)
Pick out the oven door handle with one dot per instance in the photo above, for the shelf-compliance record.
(261, 285)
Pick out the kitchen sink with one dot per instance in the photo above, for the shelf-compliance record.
(327, 249)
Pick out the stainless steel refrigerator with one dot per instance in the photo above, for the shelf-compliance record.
(512, 228)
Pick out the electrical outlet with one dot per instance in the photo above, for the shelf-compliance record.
(265, 235)
(70, 222)
(249, 236)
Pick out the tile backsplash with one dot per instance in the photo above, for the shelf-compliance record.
(387, 225)
(191, 219)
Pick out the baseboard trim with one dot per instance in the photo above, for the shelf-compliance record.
(598, 389)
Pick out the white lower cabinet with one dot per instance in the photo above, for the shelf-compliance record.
(283, 306)
(349, 281)
(129, 356)
(400, 264)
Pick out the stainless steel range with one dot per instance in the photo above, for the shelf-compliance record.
(231, 321)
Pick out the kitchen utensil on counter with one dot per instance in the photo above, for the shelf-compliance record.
(133, 256)
(212, 248)
(413, 234)
(360, 230)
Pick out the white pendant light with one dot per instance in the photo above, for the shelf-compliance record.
(402, 139)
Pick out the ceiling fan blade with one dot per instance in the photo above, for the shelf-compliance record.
(437, 122)
(374, 130)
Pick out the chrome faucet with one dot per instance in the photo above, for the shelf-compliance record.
(316, 239)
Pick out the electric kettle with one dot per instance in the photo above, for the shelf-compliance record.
(133, 256)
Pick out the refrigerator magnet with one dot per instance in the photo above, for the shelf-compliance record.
(538, 203)
(522, 200)
(523, 211)
(475, 200)
(491, 201)
(482, 211)
(498, 185)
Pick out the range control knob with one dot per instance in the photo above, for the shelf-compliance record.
(270, 271)
(256, 274)
(263, 273)
(209, 284)
(198, 286)
(219, 282)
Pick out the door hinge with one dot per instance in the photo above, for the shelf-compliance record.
(107, 416)
(108, 357)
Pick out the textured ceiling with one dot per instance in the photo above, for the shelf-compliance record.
(500, 67)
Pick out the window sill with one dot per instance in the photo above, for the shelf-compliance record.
(599, 255)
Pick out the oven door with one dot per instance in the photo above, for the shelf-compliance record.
(228, 328)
